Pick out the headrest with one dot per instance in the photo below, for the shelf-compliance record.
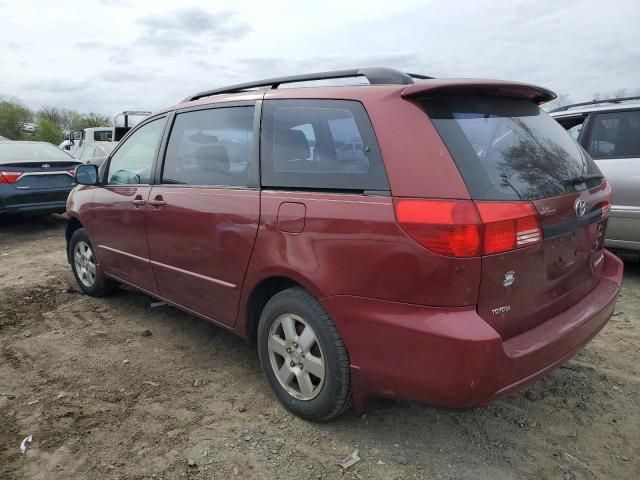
(291, 145)
(213, 158)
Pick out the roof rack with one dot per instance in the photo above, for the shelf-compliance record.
(375, 76)
(594, 102)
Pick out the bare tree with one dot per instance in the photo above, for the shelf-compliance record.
(560, 101)
(620, 93)
(51, 113)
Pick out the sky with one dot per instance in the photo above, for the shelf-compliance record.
(106, 56)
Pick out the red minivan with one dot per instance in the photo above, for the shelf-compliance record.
(438, 240)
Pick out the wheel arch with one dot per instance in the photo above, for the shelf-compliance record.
(260, 293)
(73, 224)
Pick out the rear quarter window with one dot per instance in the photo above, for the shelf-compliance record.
(508, 149)
(615, 135)
(320, 145)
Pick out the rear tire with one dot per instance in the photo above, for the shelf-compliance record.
(303, 356)
(85, 266)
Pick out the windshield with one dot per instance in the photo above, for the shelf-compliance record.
(106, 148)
(509, 148)
(31, 152)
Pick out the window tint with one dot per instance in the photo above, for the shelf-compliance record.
(132, 163)
(210, 147)
(320, 144)
(615, 134)
(508, 148)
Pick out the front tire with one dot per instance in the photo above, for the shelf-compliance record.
(303, 356)
(84, 264)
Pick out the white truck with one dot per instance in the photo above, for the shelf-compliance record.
(122, 123)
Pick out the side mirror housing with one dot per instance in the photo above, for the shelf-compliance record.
(86, 174)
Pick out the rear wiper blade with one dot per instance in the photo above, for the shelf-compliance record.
(584, 178)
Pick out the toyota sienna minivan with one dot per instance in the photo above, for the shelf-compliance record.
(438, 240)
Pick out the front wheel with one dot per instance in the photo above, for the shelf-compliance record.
(303, 356)
(85, 266)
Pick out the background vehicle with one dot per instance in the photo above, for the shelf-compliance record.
(95, 152)
(88, 135)
(455, 257)
(29, 127)
(610, 131)
(35, 177)
(122, 123)
(125, 121)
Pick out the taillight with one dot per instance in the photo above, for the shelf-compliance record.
(464, 228)
(9, 177)
(447, 227)
(508, 225)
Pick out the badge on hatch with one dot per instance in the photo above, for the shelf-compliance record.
(509, 278)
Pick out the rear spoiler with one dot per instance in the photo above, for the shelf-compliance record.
(494, 88)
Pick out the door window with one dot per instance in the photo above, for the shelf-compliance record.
(573, 125)
(133, 161)
(320, 144)
(615, 135)
(210, 147)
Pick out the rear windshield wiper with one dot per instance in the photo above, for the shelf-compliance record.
(584, 178)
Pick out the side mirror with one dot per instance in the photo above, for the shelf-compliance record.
(86, 174)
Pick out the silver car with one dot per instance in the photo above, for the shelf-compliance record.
(610, 131)
(94, 152)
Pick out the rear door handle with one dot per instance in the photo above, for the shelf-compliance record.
(157, 202)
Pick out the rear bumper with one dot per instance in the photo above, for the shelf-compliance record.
(452, 357)
(32, 201)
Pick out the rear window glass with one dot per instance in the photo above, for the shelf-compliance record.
(615, 134)
(103, 135)
(320, 144)
(508, 148)
(17, 152)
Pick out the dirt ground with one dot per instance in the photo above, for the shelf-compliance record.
(189, 401)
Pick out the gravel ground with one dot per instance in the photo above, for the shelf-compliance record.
(112, 389)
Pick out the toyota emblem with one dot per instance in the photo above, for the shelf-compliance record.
(580, 207)
(46, 166)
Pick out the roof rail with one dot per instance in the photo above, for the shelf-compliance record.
(375, 76)
(594, 102)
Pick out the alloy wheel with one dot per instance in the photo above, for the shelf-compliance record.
(296, 357)
(85, 263)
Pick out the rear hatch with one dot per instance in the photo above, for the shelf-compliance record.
(541, 205)
(36, 166)
(52, 174)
